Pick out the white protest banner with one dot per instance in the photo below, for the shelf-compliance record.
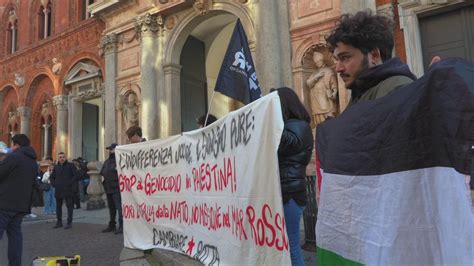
(212, 194)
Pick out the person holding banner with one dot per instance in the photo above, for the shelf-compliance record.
(294, 154)
(202, 122)
(134, 134)
(112, 189)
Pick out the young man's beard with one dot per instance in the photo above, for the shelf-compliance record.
(363, 68)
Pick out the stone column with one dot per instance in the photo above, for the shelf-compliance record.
(61, 104)
(147, 28)
(411, 31)
(171, 119)
(273, 58)
(45, 28)
(25, 115)
(109, 46)
(46, 140)
(13, 39)
(95, 190)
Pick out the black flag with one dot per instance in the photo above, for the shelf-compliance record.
(237, 77)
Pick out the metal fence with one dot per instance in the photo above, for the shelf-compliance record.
(309, 215)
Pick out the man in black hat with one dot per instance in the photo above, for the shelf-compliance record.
(112, 189)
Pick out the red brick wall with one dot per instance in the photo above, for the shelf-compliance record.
(72, 40)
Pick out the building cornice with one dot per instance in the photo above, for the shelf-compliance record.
(102, 7)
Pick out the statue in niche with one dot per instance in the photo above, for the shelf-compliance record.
(12, 17)
(45, 112)
(12, 118)
(129, 108)
(57, 66)
(323, 90)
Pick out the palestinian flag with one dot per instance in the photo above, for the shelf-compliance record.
(393, 189)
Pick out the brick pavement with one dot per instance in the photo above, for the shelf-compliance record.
(84, 239)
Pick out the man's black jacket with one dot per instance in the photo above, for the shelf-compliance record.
(109, 172)
(64, 178)
(17, 176)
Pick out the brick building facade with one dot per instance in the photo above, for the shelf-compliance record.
(41, 41)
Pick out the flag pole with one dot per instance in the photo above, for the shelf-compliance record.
(209, 109)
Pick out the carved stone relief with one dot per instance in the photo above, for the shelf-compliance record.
(95, 92)
(108, 42)
(148, 24)
(202, 6)
(45, 112)
(57, 66)
(129, 105)
(12, 118)
(60, 102)
(12, 17)
(171, 21)
(19, 79)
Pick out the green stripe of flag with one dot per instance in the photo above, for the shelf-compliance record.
(326, 257)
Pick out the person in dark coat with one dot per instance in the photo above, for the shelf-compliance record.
(112, 189)
(82, 175)
(37, 198)
(294, 154)
(17, 176)
(64, 180)
(77, 185)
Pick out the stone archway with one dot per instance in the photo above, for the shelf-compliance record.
(212, 31)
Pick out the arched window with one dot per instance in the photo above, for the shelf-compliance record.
(85, 14)
(12, 33)
(44, 19)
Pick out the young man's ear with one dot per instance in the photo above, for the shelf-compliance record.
(374, 57)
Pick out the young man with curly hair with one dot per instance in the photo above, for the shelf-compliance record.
(362, 45)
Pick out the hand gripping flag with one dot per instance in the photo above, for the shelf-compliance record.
(237, 77)
(393, 189)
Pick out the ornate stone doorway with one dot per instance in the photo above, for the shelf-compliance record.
(86, 111)
(200, 60)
